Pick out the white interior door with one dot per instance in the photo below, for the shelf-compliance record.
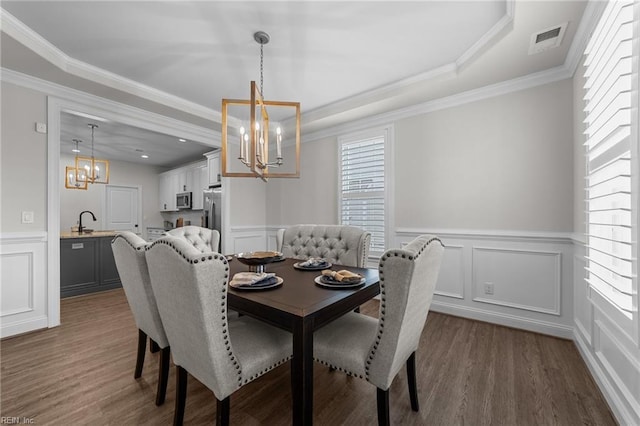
(122, 208)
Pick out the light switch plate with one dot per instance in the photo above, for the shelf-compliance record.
(41, 128)
(27, 217)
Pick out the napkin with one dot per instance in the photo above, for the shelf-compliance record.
(313, 262)
(342, 276)
(253, 279)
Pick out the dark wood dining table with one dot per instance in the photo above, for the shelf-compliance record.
(300, 306)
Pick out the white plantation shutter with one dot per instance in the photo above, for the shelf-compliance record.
(362, 188)
(608, 88)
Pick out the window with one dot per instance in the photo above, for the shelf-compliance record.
(364, 184)
(612, 157)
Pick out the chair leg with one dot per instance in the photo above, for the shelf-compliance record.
(411, 380)
(222, 411)
(181, 395)
(142, 345)
(163, 375)
(153, 347)
(383, 407)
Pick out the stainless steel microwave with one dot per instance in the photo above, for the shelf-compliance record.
(183, 200)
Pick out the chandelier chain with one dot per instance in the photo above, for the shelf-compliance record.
(261, 62)
(93, 126)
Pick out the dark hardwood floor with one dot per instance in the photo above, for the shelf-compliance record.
(469, 373)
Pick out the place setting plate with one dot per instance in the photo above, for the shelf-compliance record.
(326, 265)
(327, 282)
(255, 287)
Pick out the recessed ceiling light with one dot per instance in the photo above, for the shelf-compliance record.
(144, 156)
(182, 140)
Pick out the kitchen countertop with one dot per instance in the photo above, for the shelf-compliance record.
(94, 234)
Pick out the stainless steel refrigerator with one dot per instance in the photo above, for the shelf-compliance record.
(212, 211)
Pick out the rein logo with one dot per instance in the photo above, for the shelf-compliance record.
(7, 420)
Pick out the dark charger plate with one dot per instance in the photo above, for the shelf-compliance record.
(254, 258)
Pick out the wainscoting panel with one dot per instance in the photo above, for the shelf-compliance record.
(452, 275)
(583, 311)
(23, 292)
(530, 275)
(247, 238)
(518, 278)
(607, 343)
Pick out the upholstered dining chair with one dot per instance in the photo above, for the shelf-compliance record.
(375, 349)
(339, 244)
(222, 353)
(204, 239)
(129, 254)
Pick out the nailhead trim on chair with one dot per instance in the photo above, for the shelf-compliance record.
(387, 255)
(225, 325)
(223, 310)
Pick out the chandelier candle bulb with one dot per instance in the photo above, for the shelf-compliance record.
(246, 147)
(279, 142)
(241, 143)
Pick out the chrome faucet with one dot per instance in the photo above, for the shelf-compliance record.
(80, 227)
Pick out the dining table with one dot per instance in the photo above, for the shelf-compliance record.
(301, 307)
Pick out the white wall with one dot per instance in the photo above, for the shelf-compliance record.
(23, 177)
(73, 201)
(502, 163)
(313, 197)
(23, 171)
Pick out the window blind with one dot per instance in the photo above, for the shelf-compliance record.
(608, 88)
(362, 188)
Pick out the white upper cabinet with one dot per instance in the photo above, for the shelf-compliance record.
(168, 185)
(192, 178)
(199, 183)
(213, 164)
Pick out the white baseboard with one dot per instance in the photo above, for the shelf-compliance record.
(31, 324)
(537, 326)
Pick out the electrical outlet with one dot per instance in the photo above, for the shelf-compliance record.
(27, 217)
(488, 288)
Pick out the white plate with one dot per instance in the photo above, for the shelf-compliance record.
(250, 287)
(318, 280)
(312, 268)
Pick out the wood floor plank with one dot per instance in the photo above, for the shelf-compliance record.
(469, 373)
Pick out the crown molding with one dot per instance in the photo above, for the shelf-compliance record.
(450, 70)
(123, 113)
(492, 35)
(590, 17)
(517, 84)
(35, 42)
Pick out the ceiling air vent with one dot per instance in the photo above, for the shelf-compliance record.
(547, 39)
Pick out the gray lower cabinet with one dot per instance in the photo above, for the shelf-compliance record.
(87, 265)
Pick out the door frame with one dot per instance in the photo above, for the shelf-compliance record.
(110, 110)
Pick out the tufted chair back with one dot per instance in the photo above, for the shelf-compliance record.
(204, 239)
(129, 254)
(407, 281)
(190, 288)
(339, 244)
